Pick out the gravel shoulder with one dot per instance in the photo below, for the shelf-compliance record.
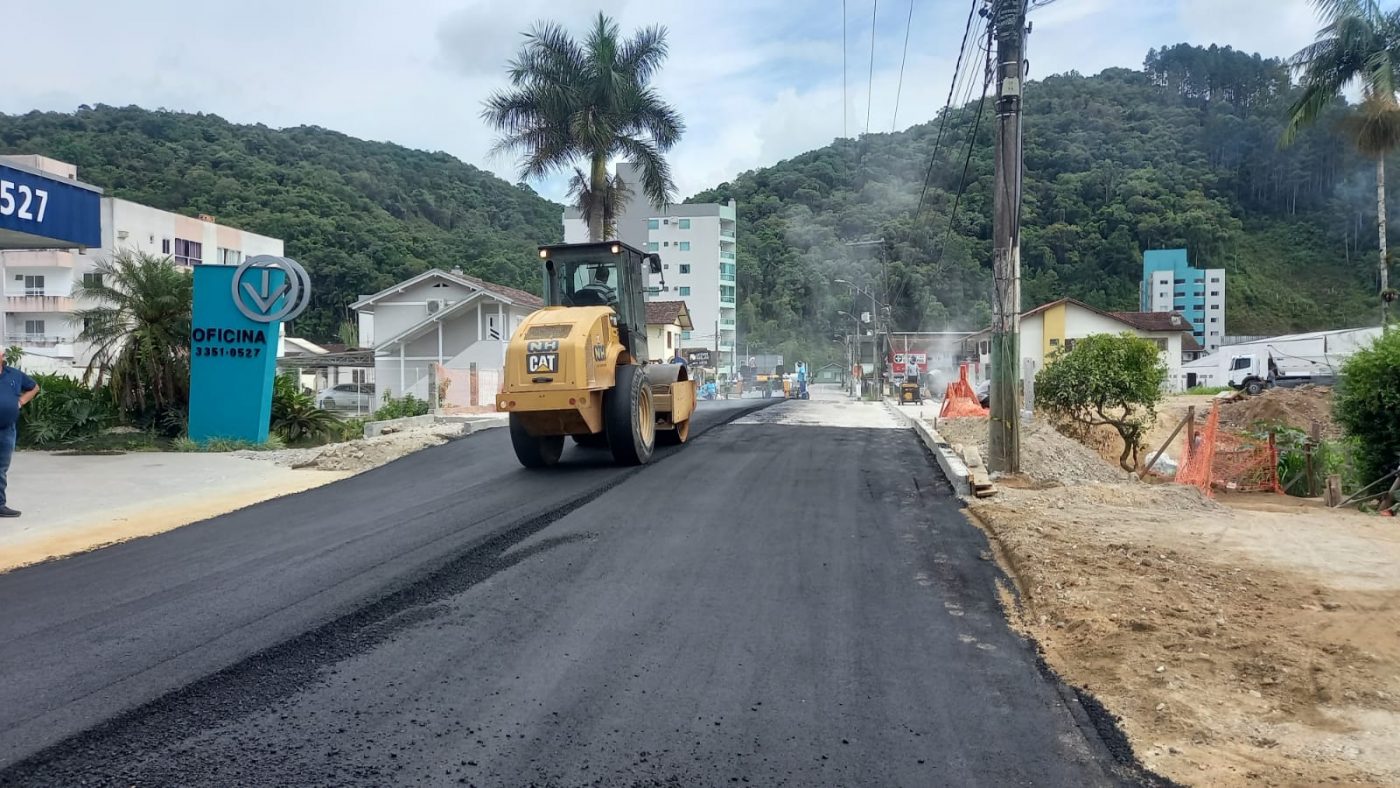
(1253, 640)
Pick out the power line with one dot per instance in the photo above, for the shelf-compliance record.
(967, 159)
(870, 79)
(844, 71)
(908, 25)
(947, 106)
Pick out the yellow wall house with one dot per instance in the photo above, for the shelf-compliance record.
(1059, 324)
(666, 320)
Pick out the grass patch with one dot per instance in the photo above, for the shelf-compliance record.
(1211, 390)
(108, 443)
(185, 444)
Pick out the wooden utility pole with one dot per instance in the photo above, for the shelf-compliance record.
(1004, 443)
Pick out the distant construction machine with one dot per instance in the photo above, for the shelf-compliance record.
(577, 366)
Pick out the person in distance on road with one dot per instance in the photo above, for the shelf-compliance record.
(16, 390)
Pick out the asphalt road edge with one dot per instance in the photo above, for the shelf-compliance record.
(1099, 725)
(300, 658)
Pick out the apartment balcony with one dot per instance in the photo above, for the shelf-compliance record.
(726, 323)
(38, 303)
(36, 340)
(51, 258)
(727, 238)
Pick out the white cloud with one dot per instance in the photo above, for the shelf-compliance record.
(757, 80)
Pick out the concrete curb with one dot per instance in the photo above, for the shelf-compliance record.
(373, 428)
(948, 461)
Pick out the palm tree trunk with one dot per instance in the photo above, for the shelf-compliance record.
(598, 183)
(1380, 220)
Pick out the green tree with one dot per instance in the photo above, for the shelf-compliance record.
(1359, 44)
(1106, 380)
(1367, 405)
(592, 101)
(139, 327)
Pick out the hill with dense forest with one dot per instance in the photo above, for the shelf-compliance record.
(359, 215)
(1184, 153)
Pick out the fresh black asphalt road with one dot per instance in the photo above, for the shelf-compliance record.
(774, 604)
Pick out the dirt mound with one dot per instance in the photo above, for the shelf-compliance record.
(1046, 455)
(1298, 408)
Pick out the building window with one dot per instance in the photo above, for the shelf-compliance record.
(685, 268)
(34, 286)
(685, 246)
(1215, 280)
(165, 246)
(685, 291)
(1069, 344)
(653, 224)
(88, 323)
(685, 335)
(188, 252)
(1215, 292)
(1215, 333)
(653, 246)
(1054, 343)
(668, 341)
(33, 328)
(726, 293)
(1214, 306)
(684, 224)
(92, 280)
(229, 257)
(1179, 281)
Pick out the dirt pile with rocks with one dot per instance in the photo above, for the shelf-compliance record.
(362, 454)
(1298, 408)
(1046, 455)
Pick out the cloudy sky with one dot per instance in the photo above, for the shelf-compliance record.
(756, 80)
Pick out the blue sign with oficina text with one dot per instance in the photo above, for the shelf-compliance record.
(39, 211)
(233, 355)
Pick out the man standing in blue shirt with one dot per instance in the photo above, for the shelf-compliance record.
(16, 389)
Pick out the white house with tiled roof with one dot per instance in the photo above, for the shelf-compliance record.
(438, 317)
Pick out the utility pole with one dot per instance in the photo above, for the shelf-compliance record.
(716, 352)
(1004, 442)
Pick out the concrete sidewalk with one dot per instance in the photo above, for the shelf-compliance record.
(75, 503)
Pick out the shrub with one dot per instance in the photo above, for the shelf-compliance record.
(295, 416)
(1106, 380)
(65, 411)
(185, 444)
(401, 407)
(1212, 390)
(1366, 402)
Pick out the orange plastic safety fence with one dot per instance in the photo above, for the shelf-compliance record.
(1229, 461)
(959, 400)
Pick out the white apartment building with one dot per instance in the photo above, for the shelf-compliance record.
(38, 285)
(697, 244)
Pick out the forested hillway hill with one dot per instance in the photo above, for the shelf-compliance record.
(359, 215)
(1184, 153)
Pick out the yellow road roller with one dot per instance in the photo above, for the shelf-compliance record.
(577, 367)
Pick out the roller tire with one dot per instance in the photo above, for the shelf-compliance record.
(674, 437)
(631, 432)
(595, 440)
(533, 452)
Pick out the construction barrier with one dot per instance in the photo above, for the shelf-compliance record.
(959, 400)
(1219, 459)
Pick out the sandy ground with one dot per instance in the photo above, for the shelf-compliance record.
(75, 503)
(1250, 641)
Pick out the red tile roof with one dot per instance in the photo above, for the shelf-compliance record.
(1154, 321)
(518, 296)
(665, 313)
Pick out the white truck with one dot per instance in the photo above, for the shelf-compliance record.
(1293, 360)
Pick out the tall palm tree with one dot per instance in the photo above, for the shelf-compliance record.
(1359, 44)
(139, 328)
(591, 101)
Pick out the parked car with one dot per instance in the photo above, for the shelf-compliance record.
(347, 396)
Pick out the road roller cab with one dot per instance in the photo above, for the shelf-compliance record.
(575, 367)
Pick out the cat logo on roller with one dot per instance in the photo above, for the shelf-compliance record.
(614, 401)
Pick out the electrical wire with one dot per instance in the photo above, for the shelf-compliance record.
(899, 88)
(870, 78)
(967, 164)
(844, 71)
(947, 106)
